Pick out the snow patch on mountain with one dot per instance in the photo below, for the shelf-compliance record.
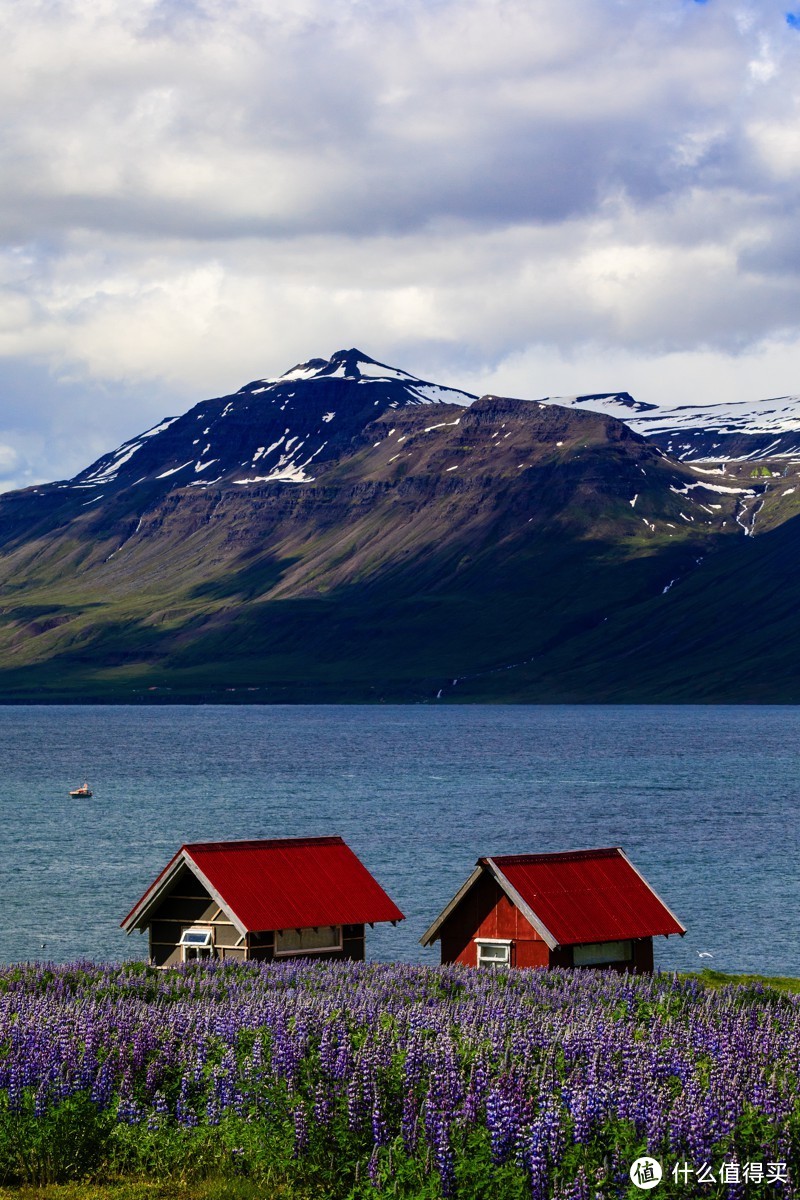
(106, 469)
(777, 415)
(277, 426)
(173, 470)
(354, 365)
(710, 487)
(288, 474)
(688, 430)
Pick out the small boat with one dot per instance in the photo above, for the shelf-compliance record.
(83, 792)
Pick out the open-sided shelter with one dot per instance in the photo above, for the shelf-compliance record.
(278, 898)
(582, 908)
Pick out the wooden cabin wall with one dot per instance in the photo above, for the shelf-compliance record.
(353, 943)
(188, 903)
(640, 964)
(530, 951)
(487, 912)
(261, 947)
(643, 956)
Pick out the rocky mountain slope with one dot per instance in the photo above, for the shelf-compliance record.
(273, 430)
(348, 532)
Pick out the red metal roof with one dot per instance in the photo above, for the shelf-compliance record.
(283, 883)
(585, 895)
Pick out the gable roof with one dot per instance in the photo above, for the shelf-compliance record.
(281, 883)
(573, 897)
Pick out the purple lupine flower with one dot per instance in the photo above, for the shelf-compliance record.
(300, 1129)
(409, 1126)
(380, 1129)
(373, 1167)
(548, 1056)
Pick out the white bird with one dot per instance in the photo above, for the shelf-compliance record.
(704, 954)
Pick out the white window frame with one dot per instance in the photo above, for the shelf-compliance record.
(493, 963)
(303, 951)
(602, 954)
(194, 933)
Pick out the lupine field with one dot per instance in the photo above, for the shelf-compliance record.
(353, 1080)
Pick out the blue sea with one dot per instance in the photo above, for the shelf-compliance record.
(704, 800)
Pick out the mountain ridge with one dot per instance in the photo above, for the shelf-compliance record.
(487, 540)
(717, 432)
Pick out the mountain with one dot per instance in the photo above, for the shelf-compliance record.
(302, 419)
(348, 532)
(732, 430)
(271, 430)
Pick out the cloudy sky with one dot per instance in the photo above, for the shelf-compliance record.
(525, 196)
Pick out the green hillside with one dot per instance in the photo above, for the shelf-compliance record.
(530, 552)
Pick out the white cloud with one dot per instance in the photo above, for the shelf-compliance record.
(8, 459)
(196, 194)
(678, 377)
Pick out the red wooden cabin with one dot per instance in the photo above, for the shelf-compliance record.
(582, 908)
(281, 898)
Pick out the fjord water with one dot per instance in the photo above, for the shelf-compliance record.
(704, 800)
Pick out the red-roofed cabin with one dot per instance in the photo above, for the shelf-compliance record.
(583, 908)
(282, 898)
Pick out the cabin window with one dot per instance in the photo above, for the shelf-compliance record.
(308, 941)
(196, 943)
(493, 952)
(596, 954)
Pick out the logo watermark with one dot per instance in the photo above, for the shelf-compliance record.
(646, 1173)
(731, 1172)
